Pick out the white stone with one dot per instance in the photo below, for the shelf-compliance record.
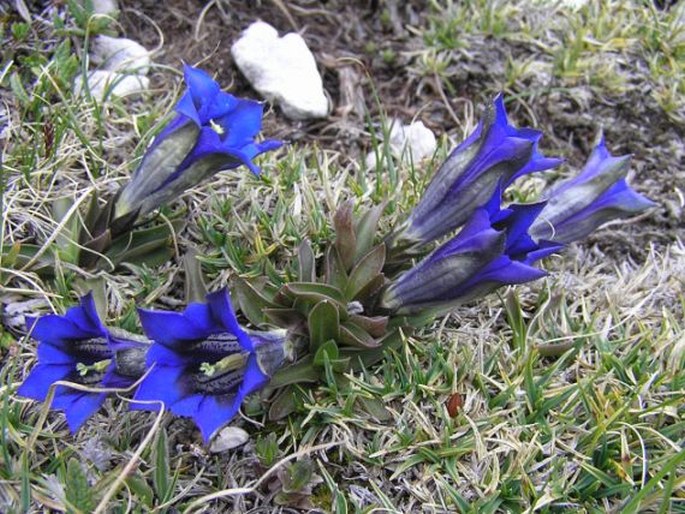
(415, 140)
(412, 143)
(103, 82)
(108, 7)
(119, 54)
(282, 69)
(228, 438)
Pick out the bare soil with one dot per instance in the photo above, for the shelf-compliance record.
(367, 54)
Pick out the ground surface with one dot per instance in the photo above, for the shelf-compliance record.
(598, 428)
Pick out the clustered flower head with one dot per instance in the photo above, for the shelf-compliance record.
(343, 311)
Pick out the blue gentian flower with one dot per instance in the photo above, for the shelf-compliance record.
(492, 157)
(203, 363)
(491, 250)
(600, 193)
(212, 131)
(78, 348)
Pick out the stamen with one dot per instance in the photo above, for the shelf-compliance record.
(216, 127)
(229, 363)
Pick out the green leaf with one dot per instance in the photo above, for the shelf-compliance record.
(162, 471)
(297, 476)
(357, 337)
(283, 405)
(288, 318)
(372, 287)
(142, 246)
(376, 408)
(334, 269)
(376, 326)
(315, 292)
(79, 494)
(328, 351)
(345, 238)
(18, 89)
(365, 358)
(340, 365)
(366, 229)
(143, 492)
(266, 447)
(323, 324)
(365, 272)
(300, 372)
(195, 288)
(252, 303)
(306, 262)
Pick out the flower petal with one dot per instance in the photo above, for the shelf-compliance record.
(220, 305)
(214, 412)
(42, 376)
(162, 384)
(82, 407)
(169, 328)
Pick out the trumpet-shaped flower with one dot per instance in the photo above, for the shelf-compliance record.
(492, 157)
(212, 131)
(483, 256)
(203, 364)
(600, 193)
(78, 348)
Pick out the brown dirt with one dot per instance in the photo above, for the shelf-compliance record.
(366, 52)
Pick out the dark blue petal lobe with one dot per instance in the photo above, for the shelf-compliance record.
(161, 384)
(83, 406)
(42, 376)
(168, 328)
(220, 305)
(53, 354)
(214, 412)
(55, 329)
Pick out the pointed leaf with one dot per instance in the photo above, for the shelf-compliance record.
(376, 408)
(340, 365)
(162, 471)
(345, 238)
(367, 228)
(334, 271)
(306, 262)
(376, 326)
(366, 270)
(283, 405)
(142, 245)
(195, 288)
(365, 358)
(301, 371)
(252, 303)
(314, 291)
(371, 288)
(326, 352)
(288, 318)
(78, 491)
(353, 335)
(323, 324)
